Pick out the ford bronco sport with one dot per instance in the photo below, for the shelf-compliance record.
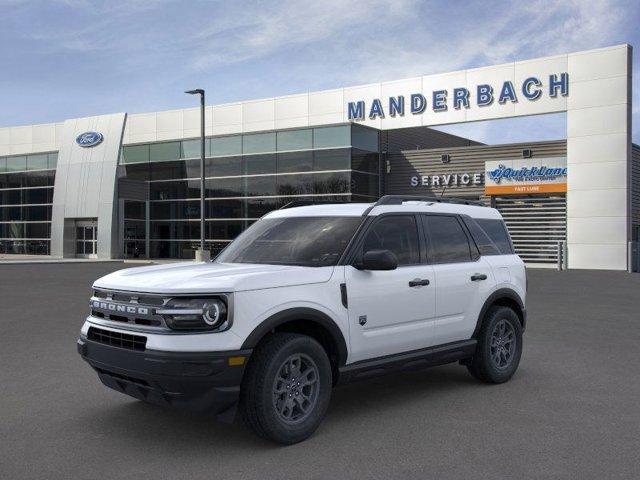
(309, 297)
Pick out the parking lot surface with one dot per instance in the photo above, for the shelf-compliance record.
(571, 411)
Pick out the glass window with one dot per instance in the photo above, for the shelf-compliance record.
(295, 162)
(180, 210)
(398, 234)
(261, 186)
(364, 161)
(338, 159)
(260, 164)
(328, 183)
(364, 138)
(3, 164)
(304, 241)
(37, 162)
(225, 187)
(483, 242)
(37, 195)
(162, 152)
(225, 146)
(135, 154)
(169, 170)
(497, 231)
(364, 184)
(327, 137)
(16, 164)
(225, 208)
(180, 189)
(52, 160)
(447, 241)
(223, 167)
(136, 171)
(295, 140)
(224, 230)
(258, 207)
(133, 209)
(295, 184)
(259, 143)
(191, 148)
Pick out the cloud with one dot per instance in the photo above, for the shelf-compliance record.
(256, 49)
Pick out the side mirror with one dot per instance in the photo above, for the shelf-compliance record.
(378, 260)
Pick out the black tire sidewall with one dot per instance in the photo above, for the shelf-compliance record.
(491, 372)
(273, 426)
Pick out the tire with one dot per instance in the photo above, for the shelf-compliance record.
(496, 359)
(275, 404)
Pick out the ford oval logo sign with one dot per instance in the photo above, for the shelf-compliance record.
(89, 139)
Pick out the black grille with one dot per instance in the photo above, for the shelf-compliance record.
(117, 339)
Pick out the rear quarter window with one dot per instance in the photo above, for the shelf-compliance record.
(496, 230)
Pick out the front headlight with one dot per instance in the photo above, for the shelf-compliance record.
(196, 314)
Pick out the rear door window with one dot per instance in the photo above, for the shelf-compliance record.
(448, 243)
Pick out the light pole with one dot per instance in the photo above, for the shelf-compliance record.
(202, 255)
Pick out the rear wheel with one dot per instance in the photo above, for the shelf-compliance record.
(287, 388)
(499, 346)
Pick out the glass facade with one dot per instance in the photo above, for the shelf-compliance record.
(26, 196)
(246, 177)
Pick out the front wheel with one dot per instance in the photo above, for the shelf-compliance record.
(287, 388)
(499, 347)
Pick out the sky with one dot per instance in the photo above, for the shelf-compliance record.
(73, 58)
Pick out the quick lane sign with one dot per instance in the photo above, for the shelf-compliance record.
(545, 175)
(482, 95)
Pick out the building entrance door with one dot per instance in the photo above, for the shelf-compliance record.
(87, 239)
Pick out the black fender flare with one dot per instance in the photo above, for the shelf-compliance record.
(501, 293)
(296, 314)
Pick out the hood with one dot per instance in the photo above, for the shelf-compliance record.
(190, 277)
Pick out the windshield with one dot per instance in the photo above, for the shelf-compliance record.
(303, 241)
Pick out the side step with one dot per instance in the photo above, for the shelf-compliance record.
(416, 359)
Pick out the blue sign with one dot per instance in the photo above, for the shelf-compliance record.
(524, 174)
(89, 139)
(483, 95)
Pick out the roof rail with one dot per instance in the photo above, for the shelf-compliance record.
(306, 203)
(400, 199)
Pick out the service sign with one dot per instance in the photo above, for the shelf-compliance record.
(524, 176)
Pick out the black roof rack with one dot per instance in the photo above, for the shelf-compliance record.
(400, 199)
(306, 203)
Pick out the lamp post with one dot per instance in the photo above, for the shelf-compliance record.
(202, 255)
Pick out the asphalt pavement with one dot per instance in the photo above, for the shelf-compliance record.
(572, 410)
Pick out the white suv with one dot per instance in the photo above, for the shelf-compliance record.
(309, 297)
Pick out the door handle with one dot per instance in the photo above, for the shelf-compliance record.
(478, 276)
(418, 282)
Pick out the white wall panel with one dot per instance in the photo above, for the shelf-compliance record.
(597, 120)
(597, 176)
(598, 148)
(600, 63)
(607, 230)
(598, 256)
(610, 91)
(293, 106)
(590, 203)
(327, 102)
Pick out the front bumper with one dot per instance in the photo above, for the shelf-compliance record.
(202, 381)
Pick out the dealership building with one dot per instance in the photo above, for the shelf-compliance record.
(127, 185)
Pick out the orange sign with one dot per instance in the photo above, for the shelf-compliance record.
(513, 189)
